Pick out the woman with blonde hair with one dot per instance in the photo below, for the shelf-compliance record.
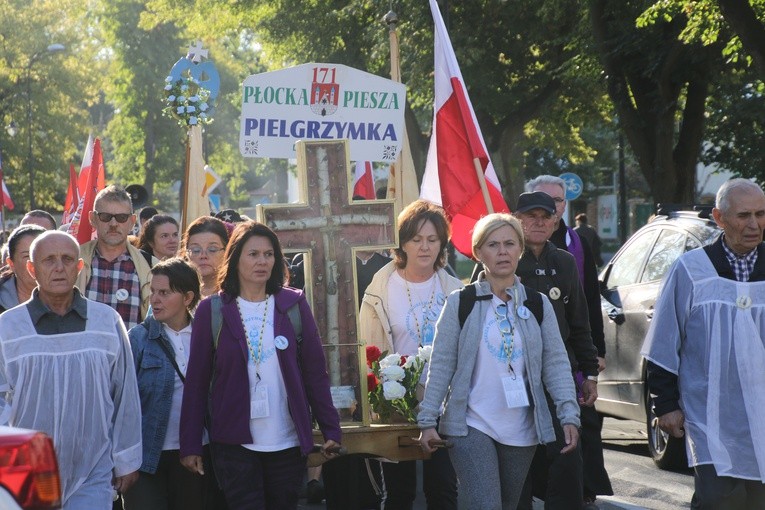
(489, 374)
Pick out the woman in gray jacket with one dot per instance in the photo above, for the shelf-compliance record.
(490, 375)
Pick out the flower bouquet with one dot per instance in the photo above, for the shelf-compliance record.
(187, 101)
(392, 382)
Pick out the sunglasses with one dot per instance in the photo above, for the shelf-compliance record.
(107, 217)
(503, 323)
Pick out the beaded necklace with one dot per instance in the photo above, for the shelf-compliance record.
(256, 358)
(507, 331)
(426, 312)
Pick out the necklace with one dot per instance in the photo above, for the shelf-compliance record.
(256, 357)
(506, 327)
(424, 337)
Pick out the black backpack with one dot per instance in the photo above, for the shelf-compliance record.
(468, 298)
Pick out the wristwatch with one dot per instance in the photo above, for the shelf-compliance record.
(592, 378)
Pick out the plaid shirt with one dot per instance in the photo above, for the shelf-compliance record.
(742, 265)
(112, 280)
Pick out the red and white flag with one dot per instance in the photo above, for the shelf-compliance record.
(91, 182)
(5, 197)
(363, 181)
(450, 178)
(72, 197)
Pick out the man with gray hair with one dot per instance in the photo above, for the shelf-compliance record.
(116, 272)
(706, 352)
(66, 369)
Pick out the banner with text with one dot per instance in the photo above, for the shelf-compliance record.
(322, 102)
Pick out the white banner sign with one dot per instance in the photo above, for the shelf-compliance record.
(322, 102)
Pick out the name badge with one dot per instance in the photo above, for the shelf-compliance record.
(259, 404)
(515, 392)
(554, 293)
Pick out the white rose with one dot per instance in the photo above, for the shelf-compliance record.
(424, 353)
(410, 361)
(168, 87)
(192, 121)
(191, 109)
(180, 110)
(393, 390)
(392, 373)
(390, 360)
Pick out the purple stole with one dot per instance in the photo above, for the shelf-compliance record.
(574, 247)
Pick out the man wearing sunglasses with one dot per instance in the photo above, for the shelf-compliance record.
(556, 478)
(115, 272)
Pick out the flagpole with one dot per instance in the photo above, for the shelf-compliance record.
(185, 194)
(482, 183)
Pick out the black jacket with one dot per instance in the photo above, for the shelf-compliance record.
(557, 269)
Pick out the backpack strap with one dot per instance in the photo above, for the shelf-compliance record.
(293, 313)
(534, 303)
(147, 256)
(468, 298)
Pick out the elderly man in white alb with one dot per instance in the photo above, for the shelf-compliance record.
(706, 353)
(67, 370)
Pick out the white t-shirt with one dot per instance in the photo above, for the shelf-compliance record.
(413, 314)
(181, 343)
(271, 424)
(488, 409)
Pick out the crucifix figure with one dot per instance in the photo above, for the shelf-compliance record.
(196, 53)
(329, 227)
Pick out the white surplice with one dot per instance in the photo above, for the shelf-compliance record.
(79, 388)
(710, 332)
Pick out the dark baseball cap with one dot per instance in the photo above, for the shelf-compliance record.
(535, 200)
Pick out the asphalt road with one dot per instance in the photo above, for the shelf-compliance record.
(638, 484)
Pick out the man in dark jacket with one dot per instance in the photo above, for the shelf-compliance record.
(552, 271)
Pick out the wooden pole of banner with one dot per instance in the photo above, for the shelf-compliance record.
(482, 183)
(185, 188)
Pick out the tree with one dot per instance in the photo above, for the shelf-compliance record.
(528, 88)
(659, 86)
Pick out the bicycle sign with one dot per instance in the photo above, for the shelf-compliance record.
(574, 185)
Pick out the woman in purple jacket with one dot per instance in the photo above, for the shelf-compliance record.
(263, 388)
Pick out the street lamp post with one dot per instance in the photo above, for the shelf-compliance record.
(53, 48)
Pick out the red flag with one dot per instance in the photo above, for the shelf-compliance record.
(363, 181)
(94, 175)
(72, 197)
(450, 178)
(5, 197)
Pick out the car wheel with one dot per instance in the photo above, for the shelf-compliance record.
(667, 452)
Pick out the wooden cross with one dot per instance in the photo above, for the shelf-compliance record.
(330, 227)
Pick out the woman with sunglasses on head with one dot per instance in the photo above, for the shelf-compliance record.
(160, 348)
(203, 246)
(159, 236)
(16, 284)
(398, 315)
(263, 383)
(490, 374)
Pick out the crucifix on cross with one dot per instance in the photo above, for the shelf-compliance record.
(330, 227)
(196, 53)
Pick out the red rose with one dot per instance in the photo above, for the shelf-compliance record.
(403, 360)
(373, 354)
(372, 381)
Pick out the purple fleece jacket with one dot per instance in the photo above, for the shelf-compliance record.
(230, 394)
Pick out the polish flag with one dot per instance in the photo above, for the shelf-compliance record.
(72, 197)
(93, 180)
(363, 182)
(456, 147)
(5, 197)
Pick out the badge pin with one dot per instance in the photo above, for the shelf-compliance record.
(744, 302)
(440, 300)
(523, 312)
(554, 293)
(121, 294)
(281, 342)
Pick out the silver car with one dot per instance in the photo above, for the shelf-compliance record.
(630, 283)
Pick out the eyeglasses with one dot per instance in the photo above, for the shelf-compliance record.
(107, 217)
(210, 250)
(503, 323)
